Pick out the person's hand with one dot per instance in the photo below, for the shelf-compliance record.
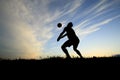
(58, 39)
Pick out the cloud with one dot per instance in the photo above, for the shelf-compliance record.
(97, 16)
(73, 6)
(65, 12)
(94, 27)
(25, 31)
(92, 9)
(98, 9)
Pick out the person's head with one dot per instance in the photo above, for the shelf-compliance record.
(70, 24)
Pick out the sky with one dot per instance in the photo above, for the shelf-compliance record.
(28, 28)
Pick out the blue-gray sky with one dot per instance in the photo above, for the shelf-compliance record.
(28, 27)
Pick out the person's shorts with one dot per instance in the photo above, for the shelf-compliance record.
(71, 42)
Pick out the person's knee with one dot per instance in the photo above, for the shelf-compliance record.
(75, 49)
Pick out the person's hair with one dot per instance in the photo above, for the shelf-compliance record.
(70, 24)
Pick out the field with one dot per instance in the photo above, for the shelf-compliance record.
(60, 60)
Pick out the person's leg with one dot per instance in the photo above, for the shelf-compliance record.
(66, 44)
(76, 50)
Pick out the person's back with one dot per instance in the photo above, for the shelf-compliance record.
(71, 33)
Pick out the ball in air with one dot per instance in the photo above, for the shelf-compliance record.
(59, 25)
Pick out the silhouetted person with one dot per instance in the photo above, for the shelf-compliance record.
(72, 40)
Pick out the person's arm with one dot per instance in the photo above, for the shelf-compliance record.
(64, 35)
(61, 35)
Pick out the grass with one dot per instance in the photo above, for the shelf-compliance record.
(61, 60)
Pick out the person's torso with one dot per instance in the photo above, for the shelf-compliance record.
(71, 34)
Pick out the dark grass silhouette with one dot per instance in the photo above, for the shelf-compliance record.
(61, 60)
